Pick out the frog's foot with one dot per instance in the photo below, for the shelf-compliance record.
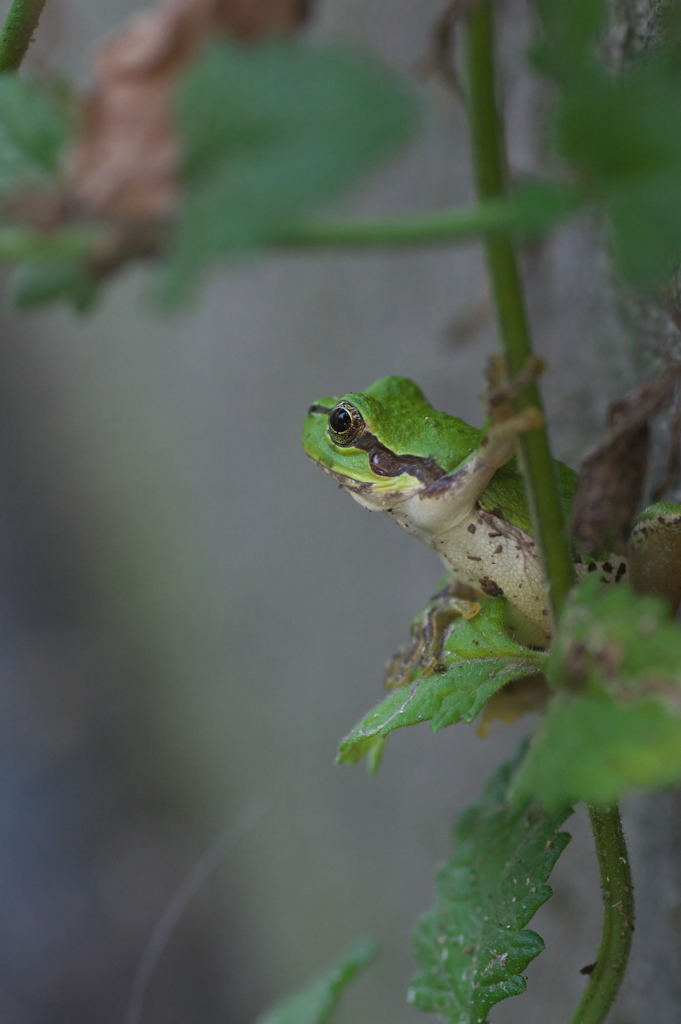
(511, 428)
(655, 553)
(502, 390)
(519, 697)
(423, 654)
(500, 438)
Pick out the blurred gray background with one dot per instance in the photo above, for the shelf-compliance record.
(192, 615)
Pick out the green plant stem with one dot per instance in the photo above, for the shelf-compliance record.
(489, 163)
(618, 917)
(506, 214)
(18, 244)
(17, 32)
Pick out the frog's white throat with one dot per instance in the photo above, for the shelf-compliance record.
(379, 495)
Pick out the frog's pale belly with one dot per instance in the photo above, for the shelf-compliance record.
(491, 555)
(499, 560)
(486, 552)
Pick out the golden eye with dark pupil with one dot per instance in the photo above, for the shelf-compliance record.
(345, 423)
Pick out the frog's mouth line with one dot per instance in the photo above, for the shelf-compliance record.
(369, 493)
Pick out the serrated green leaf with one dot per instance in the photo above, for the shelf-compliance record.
(480, 658)
(268, 131)
(34, 128)
(315, 1003)
(616, 723)
(474, 945)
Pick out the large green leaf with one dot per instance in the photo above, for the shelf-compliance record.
(621, 133)
(473, 946)
(479, 658)
(268, 131)
(616, 723)
(314, 1003)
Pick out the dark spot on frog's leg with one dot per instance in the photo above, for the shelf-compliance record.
(471, 527)
(660, 519)
(495, 533)
(490, 588)
(621, 571)
(592, 567)
(607, 567)
(498, 550)
(474, 558)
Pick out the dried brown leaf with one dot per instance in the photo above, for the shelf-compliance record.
(125, 161)
(611, 478)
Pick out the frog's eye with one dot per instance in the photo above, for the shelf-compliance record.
(345, 424)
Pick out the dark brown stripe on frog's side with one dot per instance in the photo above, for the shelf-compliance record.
(385, 462)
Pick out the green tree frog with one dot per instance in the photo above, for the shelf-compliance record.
(460, 491)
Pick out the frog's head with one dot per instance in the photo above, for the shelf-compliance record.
(383, 445)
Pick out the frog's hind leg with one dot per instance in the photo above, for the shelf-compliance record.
(655, 553)
(422, 655)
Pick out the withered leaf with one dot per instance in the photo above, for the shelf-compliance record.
(126, 156)
(612, 477)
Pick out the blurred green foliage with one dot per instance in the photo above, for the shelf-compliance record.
(315, 1003)
(616, 722)
(269, 131)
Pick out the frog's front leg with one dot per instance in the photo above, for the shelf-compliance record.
(449, 500)
(423, 654)
(484, 549)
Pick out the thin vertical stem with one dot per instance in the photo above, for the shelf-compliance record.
(17, 32)
(489, 162)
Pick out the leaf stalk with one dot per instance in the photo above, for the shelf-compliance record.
(505, 215)
(618, 917)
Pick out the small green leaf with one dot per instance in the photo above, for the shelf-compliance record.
(616, 723)
(595, 749)
(268, 131)
(474, 945)
(315, 1003)
(34, 128)
(480, 658)
(38, 284)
